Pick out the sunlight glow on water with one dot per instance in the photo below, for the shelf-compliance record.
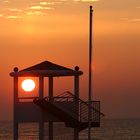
(109, 130)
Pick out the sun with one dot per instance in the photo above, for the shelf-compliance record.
(28, 85)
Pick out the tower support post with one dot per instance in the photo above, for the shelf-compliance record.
(41, 95)
(15, 122)
(76, 94)
(50, 123)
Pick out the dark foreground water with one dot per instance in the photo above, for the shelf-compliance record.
(111, 129)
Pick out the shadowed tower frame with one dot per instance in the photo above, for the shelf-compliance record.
(25, 111)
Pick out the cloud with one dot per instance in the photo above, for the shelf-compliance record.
(135, 20)
(46, 3)
(85, 0)
(124, 19)
(1, 15)
(12, 17)
(131, 20)
(79, 0)
(38, 7)
(15, 10)
(35, 13)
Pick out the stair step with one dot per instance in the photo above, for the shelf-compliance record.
(63, 115)
(51, 108)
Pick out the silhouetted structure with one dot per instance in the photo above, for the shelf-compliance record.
(66, 107)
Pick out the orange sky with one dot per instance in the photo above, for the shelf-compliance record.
(32, 31)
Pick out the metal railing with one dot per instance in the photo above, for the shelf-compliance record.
(76, 107)
(26, 99)
(95, 111)
(67, 103)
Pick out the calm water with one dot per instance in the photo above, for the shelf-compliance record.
(115, 129)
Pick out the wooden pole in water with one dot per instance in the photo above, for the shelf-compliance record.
(76, 94)
(50, 123)
(15, 125)
(90, 75)
(41, 95)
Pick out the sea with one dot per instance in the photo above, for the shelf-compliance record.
(110, 129)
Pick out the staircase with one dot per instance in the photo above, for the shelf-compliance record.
(71, 110)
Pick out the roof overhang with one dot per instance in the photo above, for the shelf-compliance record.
(46, 69)
(46, 73)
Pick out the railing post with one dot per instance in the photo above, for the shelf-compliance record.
(99, 112)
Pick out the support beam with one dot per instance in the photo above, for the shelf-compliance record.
(15, 129)
(41, 130)
(76, 93)
(41, 95)
(15, 125)
(76, 134)
(41, 87)
(50, 123)
(76, 86)
(50, 87)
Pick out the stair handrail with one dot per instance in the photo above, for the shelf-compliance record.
(69, 95)
(82, 113)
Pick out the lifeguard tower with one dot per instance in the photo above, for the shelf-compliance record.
(66, 107)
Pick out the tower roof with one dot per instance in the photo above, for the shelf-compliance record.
(46, 69)
(46, 65)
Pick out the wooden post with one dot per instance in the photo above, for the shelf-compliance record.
(41, 87)
(41, 95)
(76, 86)
(76, 94)
(50, 123)
(15, 125)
